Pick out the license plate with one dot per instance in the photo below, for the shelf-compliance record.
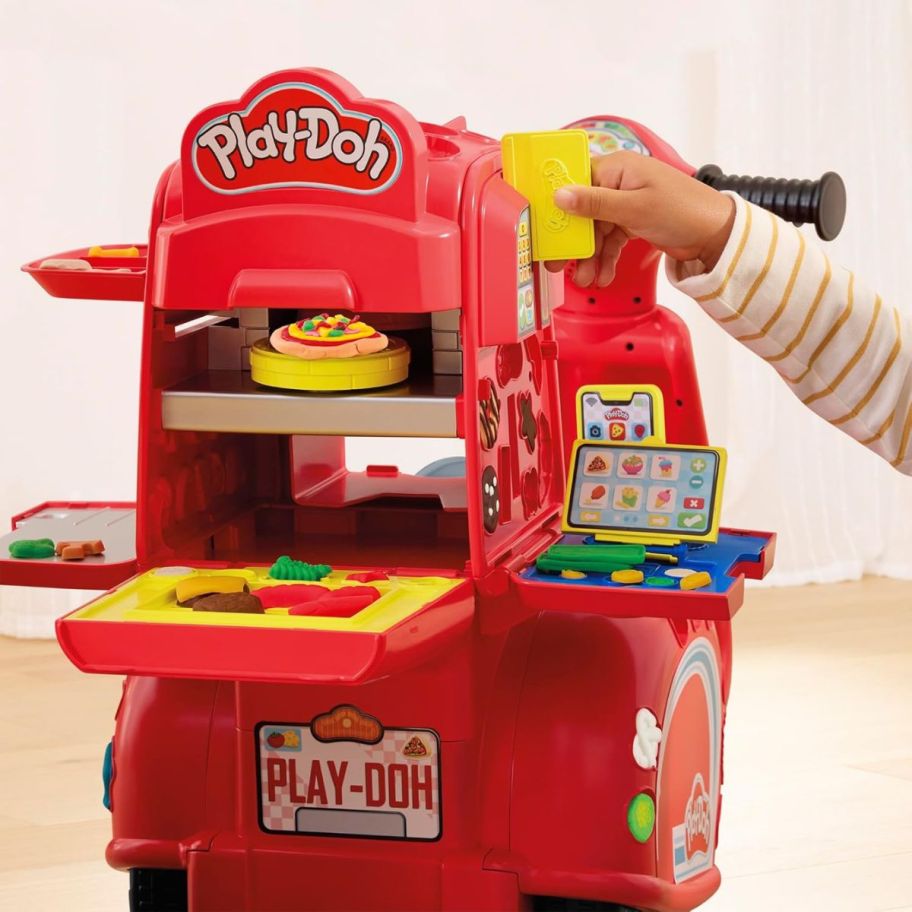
(386, 790)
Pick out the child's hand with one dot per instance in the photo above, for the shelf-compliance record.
(637, 196)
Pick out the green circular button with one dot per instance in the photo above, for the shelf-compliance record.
(641, 816)
(660, 582)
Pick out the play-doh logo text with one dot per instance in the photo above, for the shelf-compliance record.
(296, 135)
(697, 820)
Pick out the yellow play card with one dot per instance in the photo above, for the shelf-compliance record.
(537, 164)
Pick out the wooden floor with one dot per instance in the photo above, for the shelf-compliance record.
(817, 812)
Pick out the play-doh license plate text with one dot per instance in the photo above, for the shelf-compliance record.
(386, 790)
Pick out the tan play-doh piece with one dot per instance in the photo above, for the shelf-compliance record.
(326, 336)
(78, 550)
(66, 263)
(195, 586)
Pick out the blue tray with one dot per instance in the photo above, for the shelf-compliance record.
(718, 559)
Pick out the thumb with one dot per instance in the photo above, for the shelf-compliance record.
(599, 203)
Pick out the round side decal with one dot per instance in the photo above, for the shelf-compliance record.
(689, 771)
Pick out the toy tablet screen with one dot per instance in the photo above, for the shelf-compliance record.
(620, 414)
(665, 491)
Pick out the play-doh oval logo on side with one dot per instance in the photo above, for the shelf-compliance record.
(296, 135)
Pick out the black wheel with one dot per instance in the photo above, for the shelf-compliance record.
(560, 904)
(158, 890)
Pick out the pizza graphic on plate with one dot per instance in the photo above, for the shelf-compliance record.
(326, 336)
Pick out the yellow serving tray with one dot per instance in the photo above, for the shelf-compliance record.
(150, 598)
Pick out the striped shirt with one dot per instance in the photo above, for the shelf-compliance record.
(843, 352)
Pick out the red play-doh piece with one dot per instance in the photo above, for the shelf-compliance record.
(345, 602)
(292, 594)
(332, 607)
(369, 576)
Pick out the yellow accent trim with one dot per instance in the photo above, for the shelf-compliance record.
(831, 388)
(742, 243)
(621, 394)
(846, 313)
(150, 598)
(807, 320)
(894, 353)
(904, 440)
(786, 295)
(642, 535)
(761, 276)
(384, 368)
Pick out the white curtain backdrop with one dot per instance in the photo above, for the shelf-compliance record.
(95, 100)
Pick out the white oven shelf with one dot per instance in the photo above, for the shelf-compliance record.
(230, 402)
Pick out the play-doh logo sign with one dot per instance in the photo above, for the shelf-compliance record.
(296, 135)
(692, 838)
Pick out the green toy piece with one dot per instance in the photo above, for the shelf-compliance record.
(32, 548)
(660, 582)
(287, 568)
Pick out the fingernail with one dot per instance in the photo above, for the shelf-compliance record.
(565, 198)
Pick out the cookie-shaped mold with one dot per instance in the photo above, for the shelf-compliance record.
(545, 457)
(528, 426)
(488, 413)
(490, 499)
(529, 493)
(509, 363)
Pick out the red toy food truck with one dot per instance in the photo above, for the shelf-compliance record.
(420, 713)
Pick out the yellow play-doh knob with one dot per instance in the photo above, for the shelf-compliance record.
(627, 577)
(696, 580)
(573, 574)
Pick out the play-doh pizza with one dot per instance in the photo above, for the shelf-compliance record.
(326, 336)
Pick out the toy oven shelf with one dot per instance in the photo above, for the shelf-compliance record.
(230, 402)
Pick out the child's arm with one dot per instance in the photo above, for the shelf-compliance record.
(842, 351)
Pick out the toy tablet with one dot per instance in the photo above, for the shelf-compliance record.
(620, 413)
(537, 164)
(658, 493)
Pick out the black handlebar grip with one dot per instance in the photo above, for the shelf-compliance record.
(821, 202)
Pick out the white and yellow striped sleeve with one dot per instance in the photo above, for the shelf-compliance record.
(844, 352)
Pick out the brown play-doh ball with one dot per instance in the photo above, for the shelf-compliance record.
(231, 602)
